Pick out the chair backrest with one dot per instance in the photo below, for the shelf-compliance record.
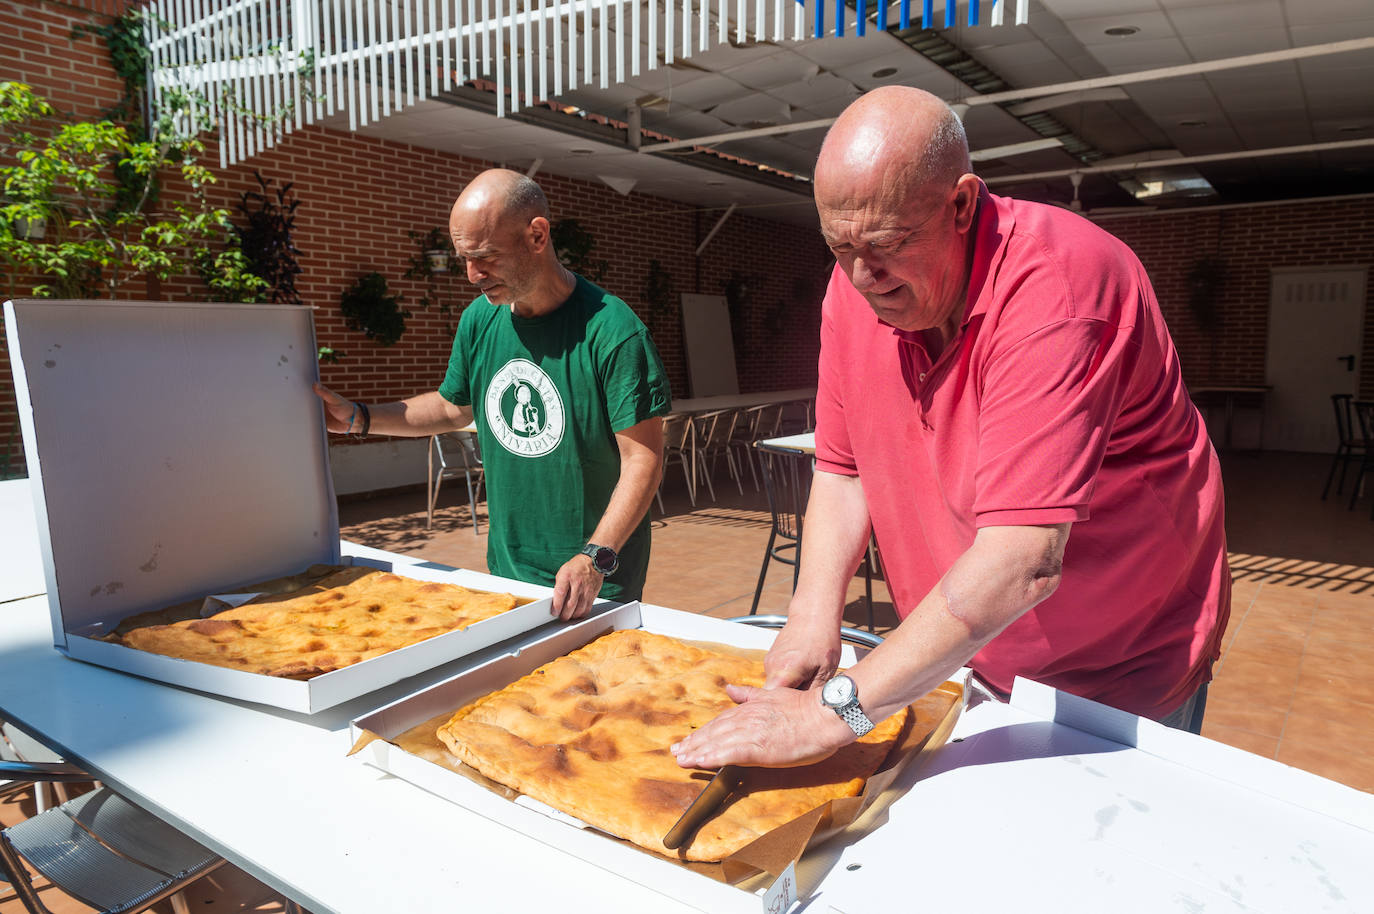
(787, 481)
(458, 451)
(715, 428)
(1364, 412)
(1345, 427)
(675, 428)
(763, 421)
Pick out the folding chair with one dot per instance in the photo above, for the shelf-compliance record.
(787, 482)
(1364, 414)
(1353, 444)
(714, 431)
(457, 455)
(98, 848)
(678, 445)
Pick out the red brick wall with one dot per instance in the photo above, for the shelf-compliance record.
(360, 197)
(1249, 241)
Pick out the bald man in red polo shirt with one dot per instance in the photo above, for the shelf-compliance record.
(1000, 399)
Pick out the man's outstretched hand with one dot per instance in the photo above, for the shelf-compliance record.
(767, 728)
(338, 412)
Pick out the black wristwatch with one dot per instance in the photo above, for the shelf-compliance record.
(604, 558)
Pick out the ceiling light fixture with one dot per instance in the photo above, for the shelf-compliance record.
(884, 73)
(581, 151)
(1192, 122)
(1121, 31)
(1353, 128)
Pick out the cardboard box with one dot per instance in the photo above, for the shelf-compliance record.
(683, 882)
(176, 450)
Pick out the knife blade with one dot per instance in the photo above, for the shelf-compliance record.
(726, 781)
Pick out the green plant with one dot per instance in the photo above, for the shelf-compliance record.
(438, 279)
(94, 243)
(266, 238)
(329, 356)
(369, 309)
(574, 245)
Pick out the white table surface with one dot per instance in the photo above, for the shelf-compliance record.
(737, 401)
(805, 441)
(1019, 813)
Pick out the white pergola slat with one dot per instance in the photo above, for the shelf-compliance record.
(262, 68)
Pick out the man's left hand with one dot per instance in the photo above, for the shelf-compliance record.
(575, 587)
(768, 728)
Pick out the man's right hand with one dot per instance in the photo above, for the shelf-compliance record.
(804, 655)
(338, 412)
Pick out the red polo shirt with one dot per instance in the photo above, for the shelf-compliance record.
(1060, 399)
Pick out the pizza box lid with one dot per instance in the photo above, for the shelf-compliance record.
(176, 449)
(371, 734)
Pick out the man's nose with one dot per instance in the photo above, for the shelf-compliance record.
(864, 271)
(475, 273)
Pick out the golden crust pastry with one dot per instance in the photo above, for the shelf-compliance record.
(589, 734)
(346, 617)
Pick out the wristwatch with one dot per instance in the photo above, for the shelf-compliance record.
(604, 558)
(841, 695)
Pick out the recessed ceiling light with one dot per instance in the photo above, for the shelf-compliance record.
(1353, 128)
(715, 182)
(582, 151)
(1192, 123)
(1121, 31)
(884, 73)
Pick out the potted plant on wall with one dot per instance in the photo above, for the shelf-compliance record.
(369, 307)
(437, 247)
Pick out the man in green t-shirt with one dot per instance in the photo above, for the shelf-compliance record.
(567, 392)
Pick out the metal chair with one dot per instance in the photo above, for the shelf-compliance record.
(98, 848)
(457, 454)
(18, 746)
(755, 423)
(1364, 414)
(714, 431)
(787, 482)
(852, 635)
(1353, 446)
(678, 445)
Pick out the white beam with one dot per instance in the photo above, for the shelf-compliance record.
(1190, 69)
(1123, 165)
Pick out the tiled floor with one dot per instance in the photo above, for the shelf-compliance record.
(1295, 682)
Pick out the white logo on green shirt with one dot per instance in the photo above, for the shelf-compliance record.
(524, 409)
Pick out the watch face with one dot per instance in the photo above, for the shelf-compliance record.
(604, 560)
(838, 691)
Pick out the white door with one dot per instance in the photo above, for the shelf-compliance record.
(1315, 321)
(709, 345)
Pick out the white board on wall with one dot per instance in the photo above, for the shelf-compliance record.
(708, 345)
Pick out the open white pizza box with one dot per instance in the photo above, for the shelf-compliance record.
(176, 451)
(774, 885)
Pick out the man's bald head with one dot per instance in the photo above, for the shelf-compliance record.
(897, 141)
(503, 195)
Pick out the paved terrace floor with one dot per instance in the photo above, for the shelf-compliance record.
(1296, 677)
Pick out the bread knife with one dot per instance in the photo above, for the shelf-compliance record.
(726, 781)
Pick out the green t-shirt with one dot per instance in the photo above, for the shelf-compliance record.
(548, 395)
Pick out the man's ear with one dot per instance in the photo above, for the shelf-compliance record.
(966, 201)
(538, 233)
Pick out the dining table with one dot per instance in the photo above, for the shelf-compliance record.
(1049, 803)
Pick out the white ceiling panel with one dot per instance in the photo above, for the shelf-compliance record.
(1092, 31)
(1219, 46)
(1220, 18)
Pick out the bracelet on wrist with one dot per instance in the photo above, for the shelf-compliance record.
(367, 420)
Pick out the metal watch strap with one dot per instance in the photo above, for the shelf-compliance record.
(854, 715)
